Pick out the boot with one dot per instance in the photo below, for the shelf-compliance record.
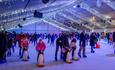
(84, 56)
(79, 55)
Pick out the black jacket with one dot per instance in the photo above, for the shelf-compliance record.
(65, 41)
(92, 40)
(59, 42)
(82, 40)
(113, 36)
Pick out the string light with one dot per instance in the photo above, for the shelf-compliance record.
(31, 10)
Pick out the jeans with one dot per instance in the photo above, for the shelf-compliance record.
(83, 51)
(73, 49)
(92, 48)
(56, 52)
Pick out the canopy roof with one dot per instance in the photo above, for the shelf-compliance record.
(71, 14)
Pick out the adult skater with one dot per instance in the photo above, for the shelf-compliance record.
(66, 48)
(10, 44)
(82, 44)
(92, 42)
(3, 47)
(58, 44)
(114, 41)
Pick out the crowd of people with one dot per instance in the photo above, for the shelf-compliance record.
(66, 41)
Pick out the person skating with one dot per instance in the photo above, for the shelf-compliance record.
(111, 39)
(52, 39)
(66, 49)
(40, 49)
(3, 47)
(92, 42)
(58, 44)
(24, 45)
(19, 38)
(114, 41)
(82, 44)
(10, 42)
(73, 47)
(35, 38)
(108, 37)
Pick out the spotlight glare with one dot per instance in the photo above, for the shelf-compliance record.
(74, 6)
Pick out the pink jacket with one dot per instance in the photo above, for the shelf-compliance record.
(41, 46)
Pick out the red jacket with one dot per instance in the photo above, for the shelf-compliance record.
(41, 46)
(24, 43)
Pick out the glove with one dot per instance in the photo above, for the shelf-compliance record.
(69, 50)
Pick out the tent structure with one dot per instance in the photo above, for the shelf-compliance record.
(72, 15)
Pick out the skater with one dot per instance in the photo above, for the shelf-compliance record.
(82, 44)
(24, 45)
(58, 44)
(3, 47)
(52, 39)
(108, 37)
(40, 49)
(48, 37)
(73, 47)
(92, 42)
(66, 49)
(35, 38)
(114, 41)
(9, 43)
(111, 39)
(19, 38)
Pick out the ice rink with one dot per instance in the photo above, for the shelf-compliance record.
(102, 59)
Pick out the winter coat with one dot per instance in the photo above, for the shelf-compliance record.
(82, 41)
(59, 42)
(40, 46)
(113, 36)
(65, 43)
(73, 43)
(10, 42)
(92, 40)
(24, 43)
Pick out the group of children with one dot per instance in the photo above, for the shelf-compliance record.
(40, 48)
(63, 43)
(65, 52)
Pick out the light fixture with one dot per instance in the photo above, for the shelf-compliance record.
(45, 1)
(74, 6)
(78, 6)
